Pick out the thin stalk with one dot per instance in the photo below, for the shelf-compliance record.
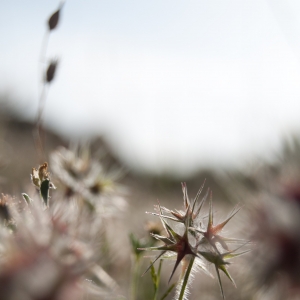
(135, 277)
(158, 279)
(186, 278)
(39, 133)
(44, 47)
(165, 295)
(42, 98)
(41, 76)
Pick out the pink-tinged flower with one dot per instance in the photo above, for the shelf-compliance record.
(195, 242)
(173, 242)
(191, 214)
(212, 232)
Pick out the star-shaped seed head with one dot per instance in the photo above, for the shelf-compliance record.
(201, 243)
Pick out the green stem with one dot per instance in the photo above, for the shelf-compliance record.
(135, 277)
(158, 279)
(186, 278)
(165, 295)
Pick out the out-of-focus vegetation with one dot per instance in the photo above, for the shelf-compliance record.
(73, 222)
(94, 188)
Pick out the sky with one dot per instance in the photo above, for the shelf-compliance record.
(173, 85)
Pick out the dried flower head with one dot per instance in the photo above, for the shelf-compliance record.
(39, 175)
(41, 180)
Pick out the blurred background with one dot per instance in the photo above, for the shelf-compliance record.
(172, 90)
(171, 85)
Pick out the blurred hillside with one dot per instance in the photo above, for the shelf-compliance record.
(18, 154)
(17, 151)
(254, 187)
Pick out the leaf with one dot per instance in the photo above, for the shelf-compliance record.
(232, 255)
(222, 267)
(152, 263)
(169, 290)
(154, 277)
(45, 191)
(220, 282)
(26, 198)
(135, 244)
(162, 238)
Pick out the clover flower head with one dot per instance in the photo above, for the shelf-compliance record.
(51, 252)
(201, 245)
(85, 178)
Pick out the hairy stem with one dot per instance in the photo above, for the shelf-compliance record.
(186, 278)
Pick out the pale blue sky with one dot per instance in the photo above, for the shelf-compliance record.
(173, 84)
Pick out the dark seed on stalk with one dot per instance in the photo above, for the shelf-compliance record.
(54, 18)
(51, 71)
